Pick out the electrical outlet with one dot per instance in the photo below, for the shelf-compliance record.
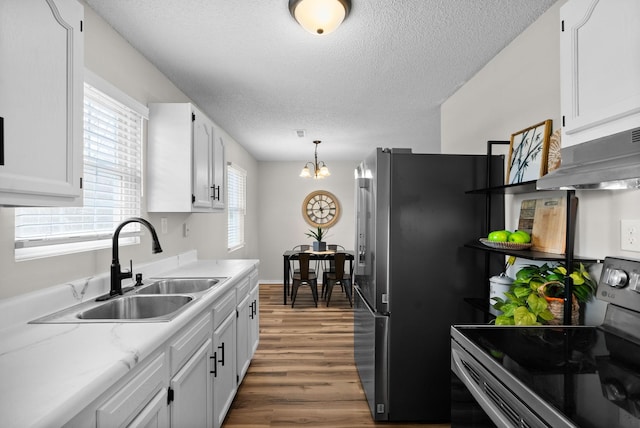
(163, 225)
(630, 235)
(185, 230)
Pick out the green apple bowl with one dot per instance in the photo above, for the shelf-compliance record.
(505, 245)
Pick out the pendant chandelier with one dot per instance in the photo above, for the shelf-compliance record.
(319, 16)
(320, 170)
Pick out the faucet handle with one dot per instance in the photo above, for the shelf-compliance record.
(130, 273)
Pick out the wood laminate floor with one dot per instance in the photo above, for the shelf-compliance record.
(303, 373)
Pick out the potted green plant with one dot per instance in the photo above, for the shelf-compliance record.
(537, 295)
(318, 244)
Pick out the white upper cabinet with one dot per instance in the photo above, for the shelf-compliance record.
(185, 164)
(219, 168)
(600, 68)
(41, 102)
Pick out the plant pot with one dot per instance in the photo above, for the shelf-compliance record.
(319, 246)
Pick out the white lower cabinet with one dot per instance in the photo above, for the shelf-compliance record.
(192, 378)
(190, 392)
(137, 400)
(223, 360)
(248, 326)
(254, 323)
(154, 415)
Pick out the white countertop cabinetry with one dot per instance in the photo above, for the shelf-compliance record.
(224, 356)
(41, 102)
(247, 325)
(191, 389)
(127, 374)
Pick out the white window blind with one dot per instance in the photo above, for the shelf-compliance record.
(236, 205)
(112, 182)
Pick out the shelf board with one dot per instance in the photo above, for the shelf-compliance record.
(529, 254)
(480, 304)
(508, 189)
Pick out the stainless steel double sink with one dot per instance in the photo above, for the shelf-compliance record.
(160, 301)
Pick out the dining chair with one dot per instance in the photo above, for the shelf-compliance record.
(339, 277)
(293, 265)
(329, 266)
(305, 276)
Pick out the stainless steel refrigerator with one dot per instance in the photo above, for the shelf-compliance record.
(412, 273)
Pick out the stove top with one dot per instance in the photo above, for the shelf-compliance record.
(585, 373)
(583, 376)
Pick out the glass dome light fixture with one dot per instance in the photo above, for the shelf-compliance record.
(319, 16)
(320, 170)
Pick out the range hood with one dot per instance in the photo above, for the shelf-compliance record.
(611, 162)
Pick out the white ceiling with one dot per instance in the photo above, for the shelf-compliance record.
(377, 81)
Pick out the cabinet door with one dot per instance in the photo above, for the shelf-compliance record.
(254, 324)
(41, 102)
(154, 415)
(599, 68)
(243, 337)
(223, 368)
(202, 161)
(218, 172)
(191, 406)
(134, 398)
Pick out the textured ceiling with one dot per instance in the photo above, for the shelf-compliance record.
(377, 81)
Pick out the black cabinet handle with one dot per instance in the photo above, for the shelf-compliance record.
(221, 347)
(215, 193)
(215, 365)
(254, 309)
(1, 140)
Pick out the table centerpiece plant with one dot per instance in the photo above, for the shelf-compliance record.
(537, 295)
(318, 244)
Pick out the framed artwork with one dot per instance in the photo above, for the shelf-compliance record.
(528, 153)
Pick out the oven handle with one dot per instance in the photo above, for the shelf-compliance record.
(487, 405)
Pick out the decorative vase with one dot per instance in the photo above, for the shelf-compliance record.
(319, 246)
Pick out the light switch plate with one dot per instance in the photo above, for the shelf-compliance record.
(163, 225)
(630, 235)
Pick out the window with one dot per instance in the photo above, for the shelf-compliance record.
(236, 205)
(112, 183)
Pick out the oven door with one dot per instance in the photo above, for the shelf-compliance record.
(503, 409)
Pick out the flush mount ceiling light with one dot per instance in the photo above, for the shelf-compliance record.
(319, 16)
(320, 170)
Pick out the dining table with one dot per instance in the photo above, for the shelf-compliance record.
(327, 255)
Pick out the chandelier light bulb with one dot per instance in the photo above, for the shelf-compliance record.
(320, 169)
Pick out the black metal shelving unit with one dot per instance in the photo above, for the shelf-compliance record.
(568, 258)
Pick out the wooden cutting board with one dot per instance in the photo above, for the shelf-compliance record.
(545, 220)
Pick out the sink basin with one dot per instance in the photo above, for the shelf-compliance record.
(162, 300)
(179, 286)
(136, 308)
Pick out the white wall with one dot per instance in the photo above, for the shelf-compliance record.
(281, 193)
(109, 56)
(516, 89)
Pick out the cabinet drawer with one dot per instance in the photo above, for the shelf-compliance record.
(188, 341)
(242, 290)
(129, 401)
(223, 307)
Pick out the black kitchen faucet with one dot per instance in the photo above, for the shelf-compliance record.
(116, 274)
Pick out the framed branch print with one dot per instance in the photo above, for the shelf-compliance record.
(528, 153)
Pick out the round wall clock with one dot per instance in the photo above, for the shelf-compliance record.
(321, 209)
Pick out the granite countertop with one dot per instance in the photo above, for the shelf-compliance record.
(51, 372)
